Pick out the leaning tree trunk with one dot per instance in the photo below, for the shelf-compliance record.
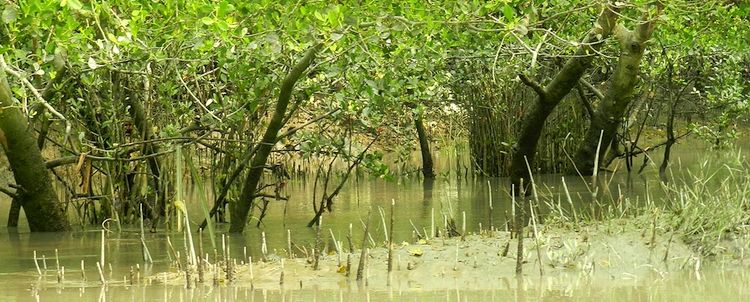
(609, 116)
(550, 96)
(143, 125)
(242, 207)
(35, 194)
(44, 124)
(424, 147)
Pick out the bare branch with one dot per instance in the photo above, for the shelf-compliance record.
(593, 89)
(8, 192)
(195, 98)
(534, 85)
(585, 101)
(257, 195)
(68, 160)
(295, 129)
(644, 30)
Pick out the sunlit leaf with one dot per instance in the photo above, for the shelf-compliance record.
(207, 21)
(72, 4)
(92, 63)
(509, 13)
(10, 13)
(336, 36)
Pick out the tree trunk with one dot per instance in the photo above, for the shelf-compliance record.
(671, 140)
(667, 150)
(36, 194)
(47, 93)
(242, 207)
(550, 96)
(424, 148)
(14, 213)
(220, 201)
(609, 115)
(142, 124)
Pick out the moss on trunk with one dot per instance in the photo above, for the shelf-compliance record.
(36, 194)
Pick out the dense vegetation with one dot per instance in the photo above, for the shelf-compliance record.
(118, 103)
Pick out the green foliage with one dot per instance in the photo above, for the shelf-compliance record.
(217, 65)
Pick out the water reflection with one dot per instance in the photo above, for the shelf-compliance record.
(716, 286)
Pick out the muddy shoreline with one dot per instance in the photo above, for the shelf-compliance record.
(605, 253)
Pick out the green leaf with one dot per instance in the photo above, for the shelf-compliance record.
(92, 63)
(207, 21)
(71, 4)
(319, 16)
(10, 13)
(225, 8)
(509, 13)
(371, 83)
(336, 36)
(222, 25)
(111, 38)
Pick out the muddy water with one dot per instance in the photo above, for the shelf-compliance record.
(417, 203)
(730, 286)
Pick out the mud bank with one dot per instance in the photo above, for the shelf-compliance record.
(611, 253)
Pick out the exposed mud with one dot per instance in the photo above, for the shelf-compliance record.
(617, 252)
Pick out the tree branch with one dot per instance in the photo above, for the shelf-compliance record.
(195, 98)
(8, 192)
(599, 94)
(68, 160)
(295, 129)
(585, 101)
(644, 30)
(270, 196)
(534, 85)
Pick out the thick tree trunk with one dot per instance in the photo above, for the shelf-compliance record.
(242, 207)
(36, 194)
(609, 116)
(44, 125)
(424, 147)
(532, 125)
(550, 96)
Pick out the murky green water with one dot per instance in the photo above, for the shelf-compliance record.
(416, 203)
(713, 286)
